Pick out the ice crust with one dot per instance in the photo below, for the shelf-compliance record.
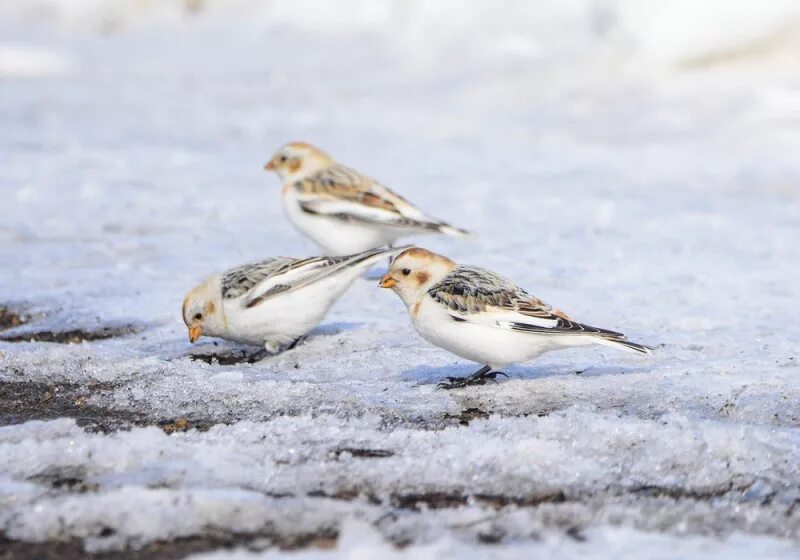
(633, 166)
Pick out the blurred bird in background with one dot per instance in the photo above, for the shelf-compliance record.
(342, 210)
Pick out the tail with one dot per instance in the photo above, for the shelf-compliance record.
(620, 342)
(372, 256)
(447, 229)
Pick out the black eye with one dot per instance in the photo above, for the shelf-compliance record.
(282, 159)
(405, 272)
(198, 316)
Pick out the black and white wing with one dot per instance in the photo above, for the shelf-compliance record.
(240, 280)
(476, 295)
(259, 281)
(343, 193)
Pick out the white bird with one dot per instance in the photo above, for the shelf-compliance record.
(273, 302)
(479, 315)
(340, 209)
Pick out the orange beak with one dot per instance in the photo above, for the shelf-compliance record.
(269, 166)
(387, 281)
(194, 333)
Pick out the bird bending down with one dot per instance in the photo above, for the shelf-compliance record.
(273, 302)
(342, 210)
(479, 315)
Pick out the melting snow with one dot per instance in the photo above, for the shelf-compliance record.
(638, 185)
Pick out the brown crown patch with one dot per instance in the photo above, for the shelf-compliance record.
(310, 151)
(313, 150)
(301, 145)
(419, 252)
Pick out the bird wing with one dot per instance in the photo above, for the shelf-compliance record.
(479, 296)
(259, 281)
(238, 281)
(343, 193)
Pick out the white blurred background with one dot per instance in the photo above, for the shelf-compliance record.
(606, 39)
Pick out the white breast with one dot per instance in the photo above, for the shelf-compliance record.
(486, 345)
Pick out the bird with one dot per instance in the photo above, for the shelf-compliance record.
(340, 209)
(480, 316)
(273, 302)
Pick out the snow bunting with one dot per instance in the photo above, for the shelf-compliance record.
(341, 210)
(478, 315)
(273, 302)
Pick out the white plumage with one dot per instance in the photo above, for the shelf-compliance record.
(275, 301)
(340, 209)
(478, 315)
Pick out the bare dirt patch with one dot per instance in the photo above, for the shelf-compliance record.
(363, 453)
(74, 336)
(467, 415)
(165, 550)
(229, 358)
(26, 400)
(10, 318)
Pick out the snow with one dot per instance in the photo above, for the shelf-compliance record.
(360, 541)
(639, 173)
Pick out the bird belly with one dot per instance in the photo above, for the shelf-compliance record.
(271, 321)
(494, 346)
(335, 236)
(285, 317)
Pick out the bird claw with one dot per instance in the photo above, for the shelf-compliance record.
(295, 342)
(452, 383)
(256, 356)
(459, 382)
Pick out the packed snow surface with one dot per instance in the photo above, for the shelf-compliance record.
(635, 166)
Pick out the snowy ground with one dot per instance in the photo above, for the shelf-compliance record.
(639, 178)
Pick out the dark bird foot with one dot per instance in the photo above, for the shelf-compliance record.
(256, 356)
(295, 342)
(480, 377)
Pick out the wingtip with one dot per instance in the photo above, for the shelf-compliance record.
(400, 248)
(455, 232)
(393, 252)
(379, 253)
(636, 347)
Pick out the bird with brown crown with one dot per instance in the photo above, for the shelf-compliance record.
(479, 315)
(340, 209)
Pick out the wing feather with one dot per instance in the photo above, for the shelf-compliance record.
(259, 281)
(240, 280)
(482, 297)
(343, 193)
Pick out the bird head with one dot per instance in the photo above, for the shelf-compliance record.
(414, 271)
(297, 160)
(202, 310)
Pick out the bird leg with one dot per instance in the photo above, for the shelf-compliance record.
(389, 246)
(295, 342)
(256, 356)
(477, 378)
